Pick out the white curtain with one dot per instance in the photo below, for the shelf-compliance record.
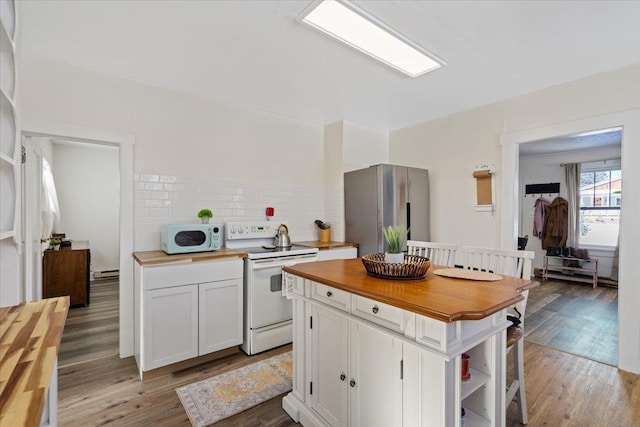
(50, 207)
(572, 178)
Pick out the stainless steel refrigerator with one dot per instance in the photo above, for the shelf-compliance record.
(383, 195)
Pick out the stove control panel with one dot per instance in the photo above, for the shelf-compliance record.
(252, 230)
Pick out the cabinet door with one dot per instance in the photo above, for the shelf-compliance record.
(220, 315)
(375, 378)
(329, 364)
(171, 325)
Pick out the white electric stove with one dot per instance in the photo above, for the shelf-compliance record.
(267, 313)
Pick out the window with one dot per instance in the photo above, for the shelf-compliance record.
(600, 200)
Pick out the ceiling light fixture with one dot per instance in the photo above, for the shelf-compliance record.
(353, 26)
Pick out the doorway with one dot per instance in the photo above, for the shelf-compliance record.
(569, 314)
(629, 298)
(123, 143)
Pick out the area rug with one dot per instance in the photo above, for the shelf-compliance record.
(224, 395)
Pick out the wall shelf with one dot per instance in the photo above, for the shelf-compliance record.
(10, 157)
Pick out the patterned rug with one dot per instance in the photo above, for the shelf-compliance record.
(224, 395)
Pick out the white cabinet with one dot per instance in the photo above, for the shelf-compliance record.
(355, 372)
(375, 377)
(337, 253)
(171, 325)
(186, 310)
(360, 362)
(328, 359)
(218, 305)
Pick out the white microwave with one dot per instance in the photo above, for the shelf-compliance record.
(187, 238)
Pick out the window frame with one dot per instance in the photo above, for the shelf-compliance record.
(598, 208)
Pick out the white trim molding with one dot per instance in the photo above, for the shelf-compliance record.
(629, 268)
(125, 143)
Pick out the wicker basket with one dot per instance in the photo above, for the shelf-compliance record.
(413, 267)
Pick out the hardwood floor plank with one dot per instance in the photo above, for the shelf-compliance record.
(92, 332)
(565, 390)
(574, 318)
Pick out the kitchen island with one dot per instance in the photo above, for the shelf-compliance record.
(380, 352)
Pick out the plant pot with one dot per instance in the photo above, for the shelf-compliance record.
(56, 247)
(394, 258)
(205, 220)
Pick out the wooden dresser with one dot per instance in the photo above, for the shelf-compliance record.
(66, 272)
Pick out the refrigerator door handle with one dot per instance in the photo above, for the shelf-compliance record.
(408, 221)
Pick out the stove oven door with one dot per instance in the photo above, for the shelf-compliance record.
(266, 305)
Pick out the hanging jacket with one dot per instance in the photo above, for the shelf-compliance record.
(556, 227)
(538, 217)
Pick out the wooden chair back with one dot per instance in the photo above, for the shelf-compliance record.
(438, 253)
(510, 262)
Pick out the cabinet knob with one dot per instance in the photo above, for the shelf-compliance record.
(375, 309)
(329, 294)
(342, 377)
(352, 383)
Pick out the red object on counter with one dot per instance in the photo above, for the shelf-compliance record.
(270, 211)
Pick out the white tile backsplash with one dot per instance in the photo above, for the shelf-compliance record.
(165, 199)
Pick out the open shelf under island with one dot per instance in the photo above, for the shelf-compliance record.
(377, 352)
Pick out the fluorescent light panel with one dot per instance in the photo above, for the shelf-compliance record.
(359, 31)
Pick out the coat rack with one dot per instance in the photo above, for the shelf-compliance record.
(551, 188)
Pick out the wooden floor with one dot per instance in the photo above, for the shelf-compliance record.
(562, 390)
(92, 332)
(574, 317)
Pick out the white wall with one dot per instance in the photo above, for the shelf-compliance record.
(363, 147)
(176, 134)
(348, 147)
(186, 137)
(546, 169)
(87, 179)
(450, 147)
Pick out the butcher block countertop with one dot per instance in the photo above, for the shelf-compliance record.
(160, 257)
(326, 245)
(442, 298)
(29, 340)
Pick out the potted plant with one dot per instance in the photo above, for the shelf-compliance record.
(55, 244)
(205, 215)
(395, 236)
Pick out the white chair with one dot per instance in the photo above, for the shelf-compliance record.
(513, 263)
(438, 253)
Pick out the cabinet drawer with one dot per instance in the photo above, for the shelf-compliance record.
(169, 275)
(331, 296)
(377, 312)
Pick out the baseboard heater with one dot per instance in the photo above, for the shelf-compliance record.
(106, 274)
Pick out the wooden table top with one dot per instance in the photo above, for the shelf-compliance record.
(29, 341)
(442, 298)
(161, 257)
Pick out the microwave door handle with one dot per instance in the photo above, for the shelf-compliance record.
(210, 237)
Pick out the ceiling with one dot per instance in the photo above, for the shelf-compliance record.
(256, 55)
